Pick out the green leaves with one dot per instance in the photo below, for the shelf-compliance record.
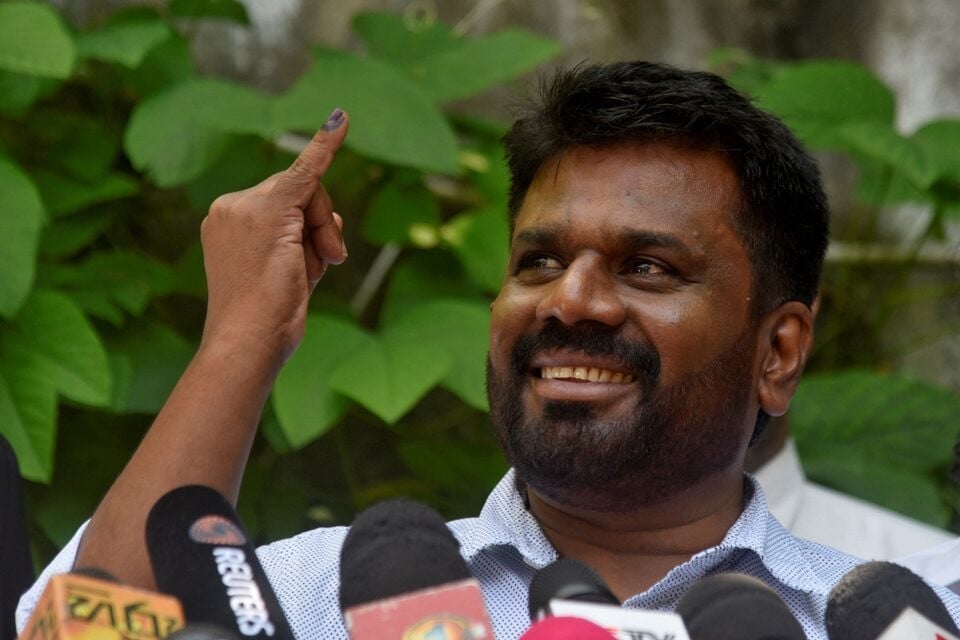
(178, 134)
(305, 402)
(438, 342)
(814, 98)
(21, 215)
(411, 132)
(445, 66)
(400, 210)
(34, 41)
(50, 349)
(125, 42)
(879, 437)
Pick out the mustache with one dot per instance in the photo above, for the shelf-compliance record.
(592, 338)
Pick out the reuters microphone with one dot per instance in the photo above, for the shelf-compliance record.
(402, 578)
(733, 606)
(885, 601)
(91, 605)
(201, 554)
(570, 588)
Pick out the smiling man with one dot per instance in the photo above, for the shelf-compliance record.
(667, 244)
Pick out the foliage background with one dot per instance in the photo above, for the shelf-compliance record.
(113, 144)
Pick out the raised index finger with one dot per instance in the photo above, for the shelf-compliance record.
(297, 184)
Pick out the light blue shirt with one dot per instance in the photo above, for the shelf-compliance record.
(505, 546)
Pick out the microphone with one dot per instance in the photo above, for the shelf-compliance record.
(402, 577)
(569, 588)
(201, 554)
(75, 606)
(566, 628)
(883, 600)
(733, 606)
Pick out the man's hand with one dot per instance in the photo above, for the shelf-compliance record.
(265, 249)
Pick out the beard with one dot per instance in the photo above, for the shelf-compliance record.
(675, 437)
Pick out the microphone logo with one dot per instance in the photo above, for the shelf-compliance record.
(216, 530)
(445, 627)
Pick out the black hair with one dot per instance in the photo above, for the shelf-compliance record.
(783, 219)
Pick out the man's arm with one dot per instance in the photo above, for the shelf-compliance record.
(265, 249)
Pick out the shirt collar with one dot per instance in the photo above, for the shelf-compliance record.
(505, 521)
(783, 481)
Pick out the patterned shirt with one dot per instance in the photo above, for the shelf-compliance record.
(504, 546)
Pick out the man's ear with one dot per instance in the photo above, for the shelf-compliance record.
(786, 335)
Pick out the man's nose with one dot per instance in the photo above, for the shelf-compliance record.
(585, 291)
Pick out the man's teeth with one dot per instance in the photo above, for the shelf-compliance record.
(591, 374)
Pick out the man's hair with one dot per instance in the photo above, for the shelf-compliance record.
(783, 219)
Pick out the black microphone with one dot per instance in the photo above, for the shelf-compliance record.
(201, 554)
(568, 588)
(401, 573)
(733, 606)
(566, 579)
(872, 596)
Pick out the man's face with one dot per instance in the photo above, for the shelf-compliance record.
(622, 351)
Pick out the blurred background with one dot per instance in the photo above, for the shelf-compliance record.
(120, 122)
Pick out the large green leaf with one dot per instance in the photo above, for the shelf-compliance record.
(481, 239)
(146, 362)
(28, 408)
(403, 41)
(482, 63)
(880, 437)
(881, 143)
(71, 235)
(390, 374)
(401, 209)
(63, 195)
(61, 344)
(814, 98)
(126, 42)
(164, 66)
(109, 284)
(179, 133)
(445, 66)
(21, 216)
(940, 141)
(390, 118)
(304, 400)
(461, 328)
(33, 40)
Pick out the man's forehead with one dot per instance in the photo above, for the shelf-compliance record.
(639, 190)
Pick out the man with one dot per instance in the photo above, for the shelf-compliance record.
(667, 244)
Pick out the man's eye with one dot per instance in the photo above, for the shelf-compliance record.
(539, 262)
(646, 268)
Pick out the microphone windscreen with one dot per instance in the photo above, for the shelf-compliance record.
(566, 579)
(871, 596)
(733, 606)
(396, 547)
(201, 554)
(566, 628)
